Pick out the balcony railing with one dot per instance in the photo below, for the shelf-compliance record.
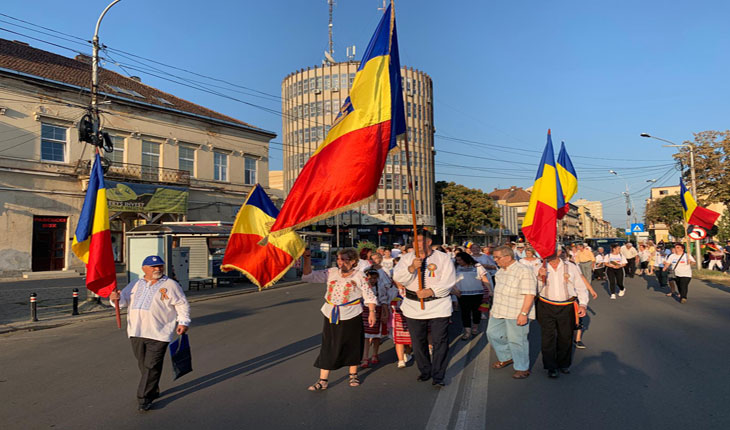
(139, 173)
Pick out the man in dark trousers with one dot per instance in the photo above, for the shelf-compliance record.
(158, 310)
(437, 275)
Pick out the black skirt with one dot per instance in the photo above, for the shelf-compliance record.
(342, 344)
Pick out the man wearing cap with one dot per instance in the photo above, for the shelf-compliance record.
(158, 310)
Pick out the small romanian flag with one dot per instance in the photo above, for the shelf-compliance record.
(262, 264)
(345, 170)
(568, 179)
(694, 214)
(92, 242)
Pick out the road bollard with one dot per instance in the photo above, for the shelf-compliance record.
(33, 307)
(75, 310)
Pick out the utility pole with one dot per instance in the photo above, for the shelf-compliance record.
(443, 222)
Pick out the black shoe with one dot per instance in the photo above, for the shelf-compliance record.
(553, 373)
(423, 378)
(438, 384)
(144, 407)
(565, 370)
(580, 345)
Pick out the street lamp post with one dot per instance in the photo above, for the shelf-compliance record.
(629, 204)
(698, 257)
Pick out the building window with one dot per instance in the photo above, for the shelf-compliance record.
(373, 207)
(220, 166)
(397, 206)
(389, 206)
(663, 192)
(53, 143)
(250, 171)
(186, 159)
(150, 160)
(382, 183)
(381, 206)
(116, 156)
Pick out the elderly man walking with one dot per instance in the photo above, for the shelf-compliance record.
(586, 261)
(158, 310)
(514, 296)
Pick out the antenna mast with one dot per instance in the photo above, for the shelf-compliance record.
(331, 4)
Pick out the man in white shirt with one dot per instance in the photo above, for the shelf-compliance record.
(438, 276)
(158, 310)
(632, 257)
(486, 260)
(512, 310)
(562, 299)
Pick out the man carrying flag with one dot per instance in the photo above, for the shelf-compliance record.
(92, 241)
(345, 170)
(262, 264)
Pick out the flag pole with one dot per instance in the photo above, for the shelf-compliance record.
(409, 177)
(115, 301)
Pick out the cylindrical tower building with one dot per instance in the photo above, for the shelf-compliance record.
(311, 99)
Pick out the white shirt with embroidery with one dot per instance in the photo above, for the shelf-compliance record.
(440, 276)
(341, 290)
(155, 309)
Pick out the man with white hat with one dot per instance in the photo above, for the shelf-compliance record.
(158, 310)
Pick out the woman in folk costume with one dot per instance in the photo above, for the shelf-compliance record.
(383, 289)
(472, 284)
(342, 333)
(399, 328)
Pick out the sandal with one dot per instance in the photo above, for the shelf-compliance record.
(374, 360)
(354, 380)
(364, 364)
(320, 385)
(501, 364)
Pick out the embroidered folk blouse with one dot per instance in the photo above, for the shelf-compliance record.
(342, 290)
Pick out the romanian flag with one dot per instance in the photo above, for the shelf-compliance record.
(345, 170)
(92, 242)
(539, 225)
(693, 213)
(263, 265)
(568, 179)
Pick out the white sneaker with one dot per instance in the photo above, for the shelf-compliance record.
(407, 357)
(621, 293)
(401, 364)
(613, 296)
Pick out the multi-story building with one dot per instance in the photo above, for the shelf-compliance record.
(515, 197)
(172, 159)
(595, 207)
(570, 227)
(311, 100)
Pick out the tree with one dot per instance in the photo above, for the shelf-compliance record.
(677, 231)
(712, 165)
(467, 209)
(723, 226)
(667, 210)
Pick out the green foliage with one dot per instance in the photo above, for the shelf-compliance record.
(712, 149)
(366, 244)
(466, 209)
(723, 226)
(621, 233)
(677, 231)
(667, 210)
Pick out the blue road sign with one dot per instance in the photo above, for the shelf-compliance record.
(637, 228)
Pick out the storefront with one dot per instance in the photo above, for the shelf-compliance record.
(49, 243)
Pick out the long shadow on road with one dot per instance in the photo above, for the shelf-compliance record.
(248, 367)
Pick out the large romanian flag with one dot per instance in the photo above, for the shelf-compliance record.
(694, 214)
(345, 170)
(539, 225)
(92, 242)
(263, 265)
(568, 179)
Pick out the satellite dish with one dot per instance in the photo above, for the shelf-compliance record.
(329, 58)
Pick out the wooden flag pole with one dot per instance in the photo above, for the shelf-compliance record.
(412, 199)
(116, 301)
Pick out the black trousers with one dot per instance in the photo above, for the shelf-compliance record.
(630, 268)
(615, 276)
(683, 285)
(430, 367)
(661, 276)
(150, 355)
(470, 313)
(557, 324)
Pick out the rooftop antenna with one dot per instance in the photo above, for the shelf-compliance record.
(331, 52)
(385, 6)
(351, 53)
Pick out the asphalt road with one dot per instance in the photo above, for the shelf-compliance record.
(651, 363)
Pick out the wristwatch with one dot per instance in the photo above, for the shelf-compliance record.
(523, 313)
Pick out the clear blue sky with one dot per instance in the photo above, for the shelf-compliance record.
(597, 73)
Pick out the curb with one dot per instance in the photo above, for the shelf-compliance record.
(109, 313)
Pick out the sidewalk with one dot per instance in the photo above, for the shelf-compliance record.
(55, 301)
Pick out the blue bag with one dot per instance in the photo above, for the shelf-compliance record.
(182, 360)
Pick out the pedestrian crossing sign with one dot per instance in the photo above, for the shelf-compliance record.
(637, 228)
